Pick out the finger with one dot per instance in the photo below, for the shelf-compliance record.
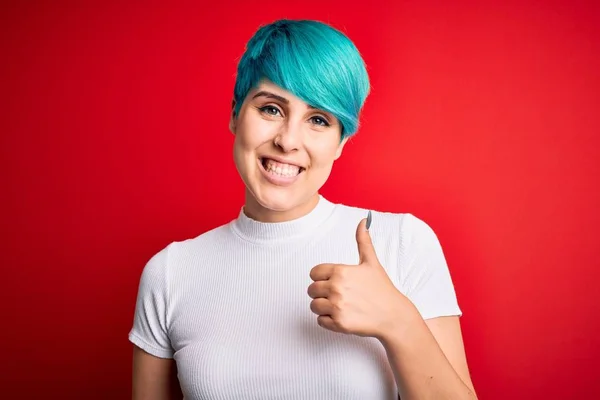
(322, 272)
(319, 289)
(321, 306)
(325, 321)
(366, 251)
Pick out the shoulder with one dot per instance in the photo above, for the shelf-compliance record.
(202, 243)
(407, 224)
(155, 268)
(356, 213)
(404, 231)
(415, 230)
(177, 252)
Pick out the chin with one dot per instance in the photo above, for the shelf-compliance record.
(280, 200)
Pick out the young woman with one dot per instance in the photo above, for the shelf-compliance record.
(298, 297)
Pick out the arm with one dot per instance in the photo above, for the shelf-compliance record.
(418, 326)
(426, 351)
(154, 378)
(428, 359)
(154, 375)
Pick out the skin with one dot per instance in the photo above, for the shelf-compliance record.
(154, 378)
(273, 122)
(426, 356)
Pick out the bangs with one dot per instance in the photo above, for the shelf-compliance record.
(311, 60)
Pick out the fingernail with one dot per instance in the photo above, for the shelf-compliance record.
(369, 220)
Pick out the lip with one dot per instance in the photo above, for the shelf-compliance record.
(282, 160)
(277, 180)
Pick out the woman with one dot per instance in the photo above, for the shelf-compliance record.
(299, 298)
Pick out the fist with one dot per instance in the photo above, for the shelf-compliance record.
(356, 299)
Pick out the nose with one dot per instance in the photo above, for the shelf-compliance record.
(289, 137)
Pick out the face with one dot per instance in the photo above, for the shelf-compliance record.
(284, 150)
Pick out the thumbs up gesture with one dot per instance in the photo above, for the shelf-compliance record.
(357, 299)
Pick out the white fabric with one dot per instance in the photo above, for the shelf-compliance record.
(231, 307)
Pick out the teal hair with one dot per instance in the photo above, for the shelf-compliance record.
(312, 60)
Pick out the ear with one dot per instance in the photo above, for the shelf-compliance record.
(338, 152)
(232, 119)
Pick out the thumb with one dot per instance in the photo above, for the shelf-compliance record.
(366, 251)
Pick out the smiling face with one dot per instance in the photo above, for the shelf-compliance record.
(284, 150)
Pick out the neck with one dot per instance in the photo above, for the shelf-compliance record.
(256, 211)
(295, 227)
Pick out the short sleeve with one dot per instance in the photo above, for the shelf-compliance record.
(425, 276)
(150, 322)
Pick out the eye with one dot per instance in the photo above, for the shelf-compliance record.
(270, 110)
(319, 120)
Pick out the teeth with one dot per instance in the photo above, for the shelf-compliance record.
(277, 168)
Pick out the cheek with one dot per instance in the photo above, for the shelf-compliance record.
(323, 155)
(253, 132)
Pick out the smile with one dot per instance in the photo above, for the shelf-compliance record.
(279, 173)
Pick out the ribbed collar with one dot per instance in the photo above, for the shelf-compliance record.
(278, 232)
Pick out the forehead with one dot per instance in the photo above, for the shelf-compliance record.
(267, 87)
(267, 90)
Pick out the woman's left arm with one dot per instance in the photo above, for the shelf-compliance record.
(420, 332)
(428, 359)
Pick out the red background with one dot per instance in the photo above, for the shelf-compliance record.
(483, 121)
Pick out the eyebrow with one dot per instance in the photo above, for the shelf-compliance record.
(270, 95)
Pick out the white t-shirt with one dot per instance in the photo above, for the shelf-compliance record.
(231, 305)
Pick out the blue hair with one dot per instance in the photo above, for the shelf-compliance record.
(311, 60)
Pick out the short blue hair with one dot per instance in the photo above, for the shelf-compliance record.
(312, 60)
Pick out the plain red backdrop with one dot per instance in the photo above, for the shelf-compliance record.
(483, 121)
